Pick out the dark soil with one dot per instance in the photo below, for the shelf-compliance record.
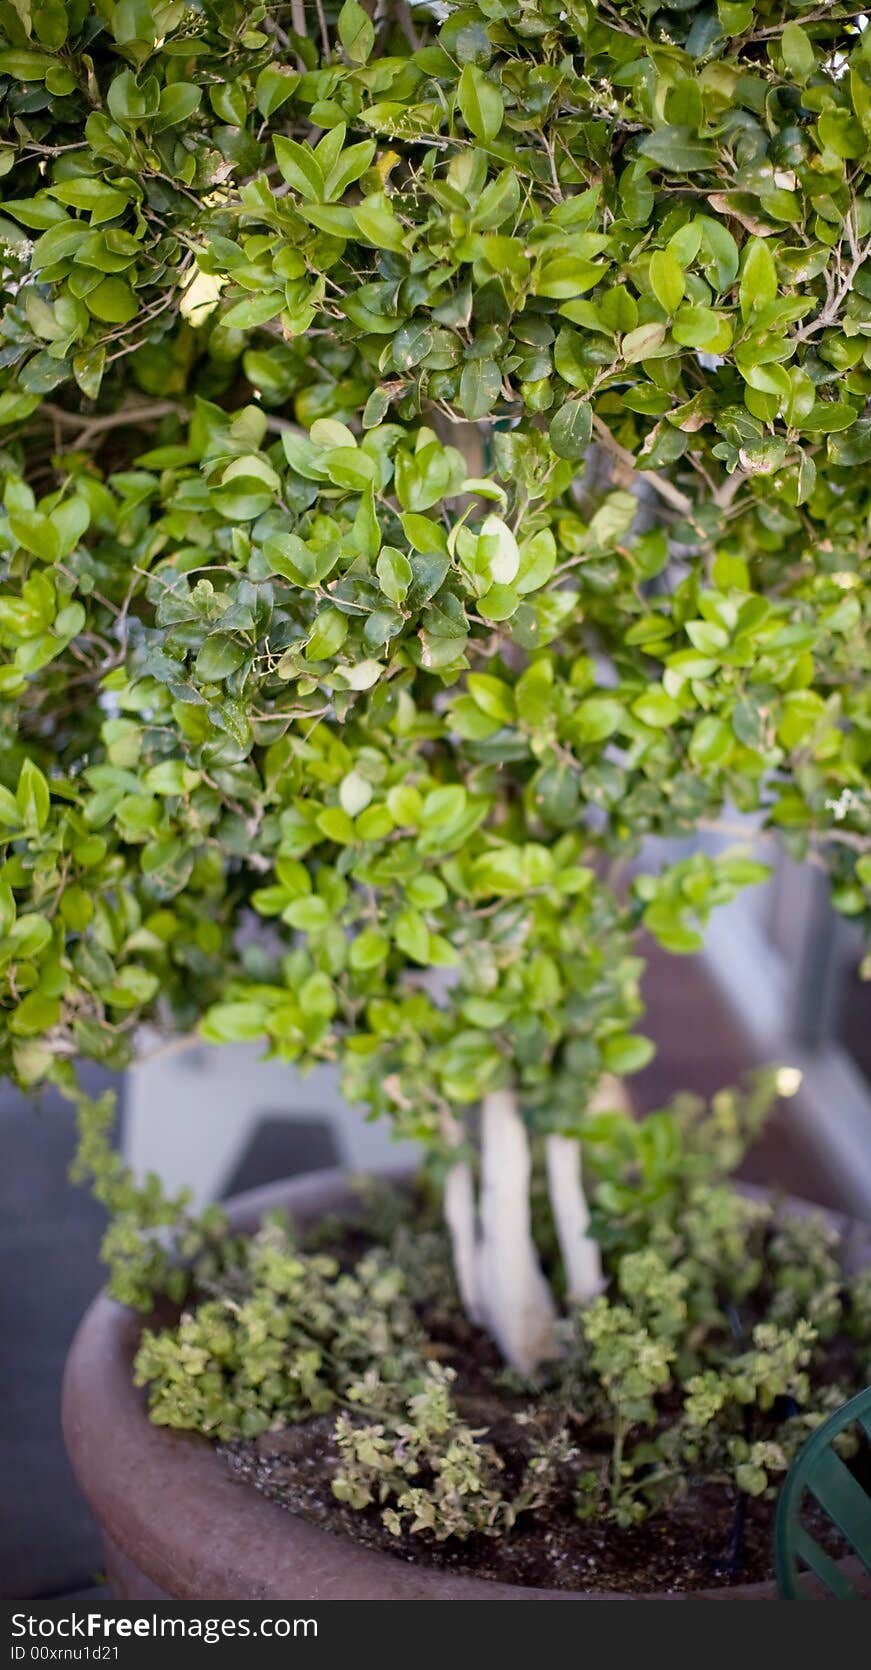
(690, 1547)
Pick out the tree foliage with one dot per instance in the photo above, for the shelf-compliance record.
(431, 463)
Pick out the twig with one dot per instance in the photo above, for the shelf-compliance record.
(824, 14)
(671, 494)
(109, 420)
(402, 14)
(172, 1046)
(836, 297)
(725, 493)
(322, 24)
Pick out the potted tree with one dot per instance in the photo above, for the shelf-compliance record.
(429, 466)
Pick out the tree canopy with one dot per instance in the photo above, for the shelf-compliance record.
(432, 462)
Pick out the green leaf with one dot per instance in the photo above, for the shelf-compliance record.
(88, 369)
(32, 796)
(497, 557)
(758, 277)
(356, 32)
(349, 166)
(480, 102)
(405, 805)
(131, 103)
(337, 826)
(613, 520)
(499, 603)
(656, 708)
(102, 202)
(564, 276)
(841, 133)
(131, 987)
(26, 66)
(395, 574)
(178, 101)
(302, 564)
(300, 168)
(641, 343)
(253, 311)
(678, 150)
(355, 793)
(860, 92)
(377, 223)
(571, 429)
(827, 416)
(597, 718)
(627, 1053)
(219, 657)
(538, 559)
(667, 280)
(30, 935)
(670, 925)
(412, 936)
(36, 1014)
(171, 777)
(59, 243)
(9, 810)
(234, 1023)
(229, 101)
(492, 696)
(7, 908)
(274, 86)
(798, 52)
(369, 950)
(855, 448)
(712, 741)
(480, 385)
(327, 636)
(113, 301)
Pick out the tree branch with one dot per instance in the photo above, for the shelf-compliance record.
(672, 495)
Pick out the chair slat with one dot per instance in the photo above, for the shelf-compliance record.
(823, 1566)
(844, 1500)
(818, 1469)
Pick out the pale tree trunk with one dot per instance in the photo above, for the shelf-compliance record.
(498, 1273)
(516, 1303)
(461, 1219)
(581, 1258)
(582, 1261)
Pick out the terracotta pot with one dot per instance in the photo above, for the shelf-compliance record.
(176, 1524)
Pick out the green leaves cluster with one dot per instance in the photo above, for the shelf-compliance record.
(286, 1336)
(686, 1388)
(431, 465)
(385, 1462)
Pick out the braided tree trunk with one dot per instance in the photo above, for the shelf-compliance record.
(499, 1276)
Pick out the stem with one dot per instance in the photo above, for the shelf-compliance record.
(460, 1217)
(516, 1302)
(679, 501)
(581, 1258)
(620, 1431)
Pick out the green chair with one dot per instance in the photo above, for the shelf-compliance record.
(819, 1471)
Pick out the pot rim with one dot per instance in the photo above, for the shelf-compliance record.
(173, 1508)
